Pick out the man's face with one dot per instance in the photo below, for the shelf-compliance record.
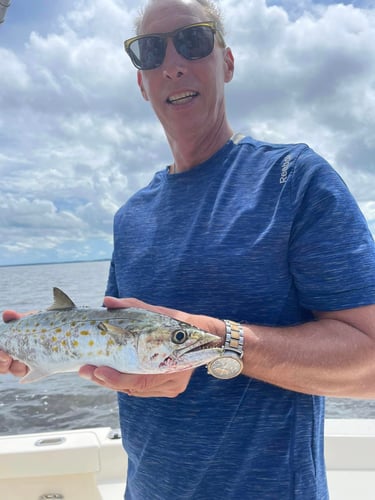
(186, 95)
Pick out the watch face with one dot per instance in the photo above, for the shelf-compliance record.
(225, 367)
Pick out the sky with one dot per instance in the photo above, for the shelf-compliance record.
(77, 139)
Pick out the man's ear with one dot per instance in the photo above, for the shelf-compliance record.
(140, 85)
(229, 65)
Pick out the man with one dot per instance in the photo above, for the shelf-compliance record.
(264, 236)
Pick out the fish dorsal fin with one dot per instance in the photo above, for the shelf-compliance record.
(60, 301)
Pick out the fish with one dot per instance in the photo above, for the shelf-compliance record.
(65, 337)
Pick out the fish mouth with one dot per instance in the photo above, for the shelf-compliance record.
(200, 352)
(182, 97)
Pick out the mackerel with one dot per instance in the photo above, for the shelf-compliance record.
(65, 337)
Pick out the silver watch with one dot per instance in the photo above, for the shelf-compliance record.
(229, 364)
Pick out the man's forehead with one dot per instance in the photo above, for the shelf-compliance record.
(167, 15)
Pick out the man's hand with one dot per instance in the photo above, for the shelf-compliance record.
(7, 363)
(167, 385)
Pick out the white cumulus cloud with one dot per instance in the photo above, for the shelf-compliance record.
(77, 139)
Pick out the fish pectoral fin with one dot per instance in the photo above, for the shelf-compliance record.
(61, 301)
(118, 334)
(33, 375)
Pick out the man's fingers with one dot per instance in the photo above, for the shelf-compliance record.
(9, 365)
(114, 303)
(10, 315)
(5, 362)
(159, 385)
(18, 369)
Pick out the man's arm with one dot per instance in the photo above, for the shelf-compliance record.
(332, 356)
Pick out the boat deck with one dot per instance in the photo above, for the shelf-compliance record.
(90, 464)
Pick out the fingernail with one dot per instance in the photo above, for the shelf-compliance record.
(4, 358)
(101, 377)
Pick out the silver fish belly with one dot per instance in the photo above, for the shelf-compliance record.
(65, 337)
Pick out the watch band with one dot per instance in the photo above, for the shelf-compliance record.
(233, 337)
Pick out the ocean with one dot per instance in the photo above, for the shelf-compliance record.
(67, 401)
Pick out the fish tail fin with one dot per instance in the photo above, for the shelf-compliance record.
(33, 375)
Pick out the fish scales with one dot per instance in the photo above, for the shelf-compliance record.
(65, 337)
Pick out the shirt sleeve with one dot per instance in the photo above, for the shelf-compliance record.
(111, 289)
(332, 251)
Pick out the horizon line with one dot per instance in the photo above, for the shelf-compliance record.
(56, 262)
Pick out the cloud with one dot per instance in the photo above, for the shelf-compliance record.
(311, 80)
(77, 139)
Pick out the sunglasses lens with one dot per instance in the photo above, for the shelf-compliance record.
(194, 42)
(148, 52)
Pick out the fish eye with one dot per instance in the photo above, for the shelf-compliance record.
(179, 337)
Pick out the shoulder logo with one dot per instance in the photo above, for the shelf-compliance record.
(285, 169)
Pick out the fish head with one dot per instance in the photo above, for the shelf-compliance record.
(175, 346)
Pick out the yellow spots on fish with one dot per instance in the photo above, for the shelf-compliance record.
(57, 330)
(110, 342)
(73, 323)
(91, 343)
(84, 332)
(68, 334)
(43, 330)
(63, 343)
(103, 332)
(75, 343)
(54, 338)
(55, 349)
(100, 353)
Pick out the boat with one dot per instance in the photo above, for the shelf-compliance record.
(84, 464)
(90, 464)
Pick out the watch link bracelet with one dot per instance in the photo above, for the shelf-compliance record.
(229, 364)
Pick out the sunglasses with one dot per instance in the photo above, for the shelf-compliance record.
(194, 41)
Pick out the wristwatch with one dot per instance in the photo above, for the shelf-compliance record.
(229, 364)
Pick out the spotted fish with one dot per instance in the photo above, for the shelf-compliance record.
(65, 337)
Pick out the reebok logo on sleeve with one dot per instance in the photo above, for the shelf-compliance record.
(285, 169)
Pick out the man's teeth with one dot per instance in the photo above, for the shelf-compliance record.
(181, 98)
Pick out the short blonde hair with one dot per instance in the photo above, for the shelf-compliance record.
(209, 6)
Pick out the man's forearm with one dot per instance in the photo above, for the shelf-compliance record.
(325, 357)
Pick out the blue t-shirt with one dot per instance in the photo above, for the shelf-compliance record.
(259, 233)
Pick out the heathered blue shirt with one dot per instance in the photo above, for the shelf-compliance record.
(259, 233)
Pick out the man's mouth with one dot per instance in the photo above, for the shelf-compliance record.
(181, 98)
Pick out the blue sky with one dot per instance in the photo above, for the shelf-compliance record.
(76, 138)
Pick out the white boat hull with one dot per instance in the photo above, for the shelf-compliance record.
(350, 458)
(89, 464)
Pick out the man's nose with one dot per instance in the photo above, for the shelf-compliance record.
(174, 64)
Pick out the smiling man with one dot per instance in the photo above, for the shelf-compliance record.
(258, 243)
(178, 86)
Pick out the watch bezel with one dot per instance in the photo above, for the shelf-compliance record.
(222, 372)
